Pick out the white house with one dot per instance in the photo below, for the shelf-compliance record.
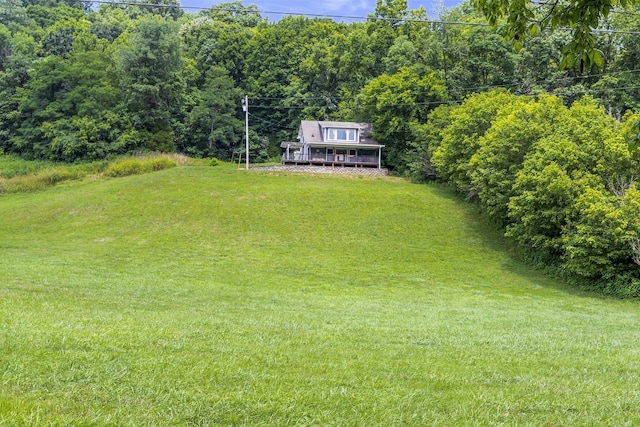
(333, 144)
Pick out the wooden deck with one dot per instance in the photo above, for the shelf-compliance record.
(324, 170)
(340, 160)
(331, 163)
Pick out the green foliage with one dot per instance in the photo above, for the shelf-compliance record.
(66, 111)
(140, 76)
(236, 12)
(482, 60)
(149, 63)
(361, 57)
(46, 16)
(517, 21)
(461, 138)
(561, 181)
(393, 103)
(108, 23)
(401, 54)
(166, 9)
(428, 139)
(599, 245)
(213, 128)
(5, 46)
(568, 198)
(60, 36)
(544, 193)
(503, 147)
(392, 10)
(12, 12)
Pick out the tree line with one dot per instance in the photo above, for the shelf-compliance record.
(545, 144)
(81, 82)
(561, 181)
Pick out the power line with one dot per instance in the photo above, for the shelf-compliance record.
(392, 20)
(614, 11)
(467, 89)
(457, 101)
(270, 122)
(268, 12)
(334, 16)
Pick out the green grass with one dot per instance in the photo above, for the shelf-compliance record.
(11, 166)
(210, 296)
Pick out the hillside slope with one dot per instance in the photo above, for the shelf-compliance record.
(209, 296)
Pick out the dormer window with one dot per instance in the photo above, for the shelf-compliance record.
(337, 134)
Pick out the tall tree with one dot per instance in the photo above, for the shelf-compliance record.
(394, 11)
(585, 151)
(393, 103)
(235, 12)
(68, 109)
(12, 12)
(504, 146)
(213, 128)
(149, 64)
(461, 138)
(428, 137)
(518, 19)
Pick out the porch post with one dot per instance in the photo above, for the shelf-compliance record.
(380, 158)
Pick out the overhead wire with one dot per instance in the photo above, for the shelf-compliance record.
(270, 122)
(585, 91)
(392, 20)
(555, 4)
(333, 16)
(468, 90)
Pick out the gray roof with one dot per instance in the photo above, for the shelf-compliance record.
(285, 144)
(311, 131)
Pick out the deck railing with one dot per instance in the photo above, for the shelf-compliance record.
(331, 158)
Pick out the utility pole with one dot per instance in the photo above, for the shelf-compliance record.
(245, 108)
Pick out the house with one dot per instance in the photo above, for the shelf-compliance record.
(333, 144)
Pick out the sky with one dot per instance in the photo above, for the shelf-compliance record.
(330, 7)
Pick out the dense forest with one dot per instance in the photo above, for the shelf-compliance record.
(548, 148)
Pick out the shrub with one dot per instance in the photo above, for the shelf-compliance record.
(39, 181)
(18, 175)
(133, 166)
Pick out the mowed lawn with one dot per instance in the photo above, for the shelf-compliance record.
(210, 296)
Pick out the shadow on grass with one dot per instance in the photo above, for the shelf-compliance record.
(520, 260)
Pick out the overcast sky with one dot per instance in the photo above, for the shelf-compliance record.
(330, 7)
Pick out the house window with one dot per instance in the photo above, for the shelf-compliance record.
(349, 135)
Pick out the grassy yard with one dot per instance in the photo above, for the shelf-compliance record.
(210, 296)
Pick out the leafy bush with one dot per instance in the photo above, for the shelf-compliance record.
(460, 140)
(560, 181)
